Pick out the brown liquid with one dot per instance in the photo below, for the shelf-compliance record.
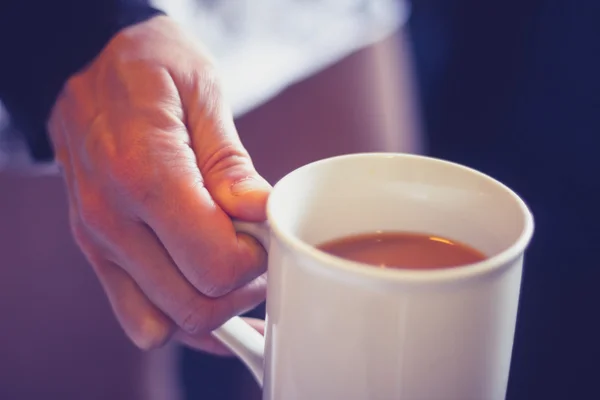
(403, 250)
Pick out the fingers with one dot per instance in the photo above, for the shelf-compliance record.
(200, 237)
(225, 165)
(149, 264)
(144, 324)
(150, 297)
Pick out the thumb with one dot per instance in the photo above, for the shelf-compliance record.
(225, 165)
(234, 184)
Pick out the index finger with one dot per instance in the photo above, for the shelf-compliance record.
(198, 235)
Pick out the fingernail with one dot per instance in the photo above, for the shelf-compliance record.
(248, 184)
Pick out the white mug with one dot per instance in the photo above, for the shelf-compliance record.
(340, 330)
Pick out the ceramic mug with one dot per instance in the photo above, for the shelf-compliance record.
(340, 330)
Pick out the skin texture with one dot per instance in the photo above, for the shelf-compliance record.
(154, 171)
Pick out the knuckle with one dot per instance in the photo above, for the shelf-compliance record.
(168, 117)
(151, 333)
(218, 276)
(218, 285)
(226, 157)
(196, 317)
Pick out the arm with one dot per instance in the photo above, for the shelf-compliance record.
(43, 43)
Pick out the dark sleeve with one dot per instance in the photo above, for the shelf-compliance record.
(43, 43)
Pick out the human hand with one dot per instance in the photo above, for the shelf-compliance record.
(154, 171)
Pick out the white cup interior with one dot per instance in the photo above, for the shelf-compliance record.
(365, 193)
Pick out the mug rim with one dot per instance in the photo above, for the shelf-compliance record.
(358, 269)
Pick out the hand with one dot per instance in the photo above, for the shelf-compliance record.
(154, 170)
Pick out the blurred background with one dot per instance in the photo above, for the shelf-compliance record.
(510, 88)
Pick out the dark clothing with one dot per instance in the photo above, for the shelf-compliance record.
(512, 88)
(43, 43)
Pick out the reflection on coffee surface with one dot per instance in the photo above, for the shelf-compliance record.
(403, 250)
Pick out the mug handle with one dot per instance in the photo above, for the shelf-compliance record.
(239, 337)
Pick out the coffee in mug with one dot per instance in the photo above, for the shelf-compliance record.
(405, 250)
